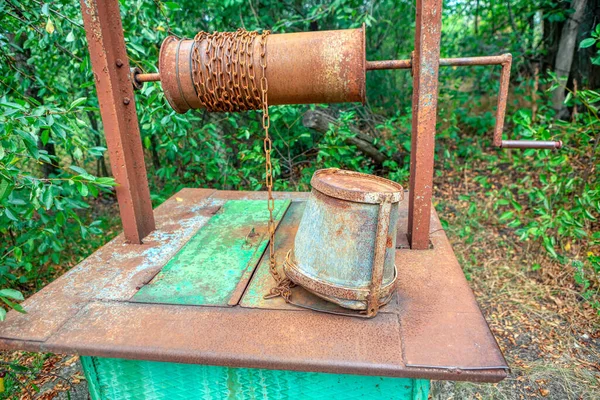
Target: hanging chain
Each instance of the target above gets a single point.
(226, 81)
(283, 284)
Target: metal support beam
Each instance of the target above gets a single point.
(426, 60)
(104, 32)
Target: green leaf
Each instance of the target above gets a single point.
(12, 294)
(47, 198)
(82, 188)
(10, 215)
(585, 43)
(70, 37)
(77, 102)
(77, 153)
(18, 253)
(5, 189)
(171, 5)
(2, 314)
(60, 218)
(568, 97)
(13, 305)
(79, 170)
(45, 136)
(506, 216)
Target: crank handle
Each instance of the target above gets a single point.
(506, 62)
(531, 144)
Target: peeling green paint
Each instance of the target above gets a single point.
(225, 251)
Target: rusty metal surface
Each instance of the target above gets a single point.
(425, 93)
(308, 67)
(385, 243)
(246, 338)
(502, 98)
(87, 312)
(440, 320)
(472, 61)
(174, 59)
(104, 33)
(388, 64)
(444, 62)
(152, 77)
(356, 186)
(338, 293)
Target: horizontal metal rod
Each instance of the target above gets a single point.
(389, 64)
(394, 64)
(531, 144)
(444, 62)
(148, 77)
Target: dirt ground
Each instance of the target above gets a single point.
(549, 335)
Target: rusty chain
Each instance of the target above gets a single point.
(227, 82)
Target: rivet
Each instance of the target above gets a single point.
(126, 100)
(119, 63)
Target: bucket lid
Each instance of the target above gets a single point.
(356, 186)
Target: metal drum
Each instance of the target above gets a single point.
(303, 68)
(345, 246)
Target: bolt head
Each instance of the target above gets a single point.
(126, 100)
(119, 62)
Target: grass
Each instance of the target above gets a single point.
(549, 335)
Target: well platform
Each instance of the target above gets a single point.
(193, 294)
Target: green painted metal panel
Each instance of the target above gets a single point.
(118, 379)
(214, 267)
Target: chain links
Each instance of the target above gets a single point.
(227, 82)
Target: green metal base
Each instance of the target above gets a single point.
(116, 379)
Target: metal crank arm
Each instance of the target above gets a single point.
(505, 60)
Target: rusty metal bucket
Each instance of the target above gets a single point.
(344, 249)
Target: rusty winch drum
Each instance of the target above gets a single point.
(345, 246)
(303, 68)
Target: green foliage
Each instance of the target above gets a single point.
(46, 143)
(593, 41)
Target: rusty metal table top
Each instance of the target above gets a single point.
(433, 329)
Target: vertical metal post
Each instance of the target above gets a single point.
(104, 32)
(426, 59)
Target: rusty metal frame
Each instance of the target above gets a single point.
(426, 61)
(383, 225)
(106, 43)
